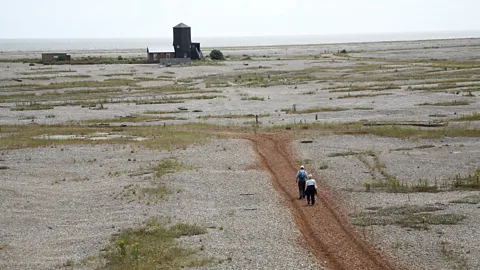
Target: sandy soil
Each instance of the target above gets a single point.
(47, 201)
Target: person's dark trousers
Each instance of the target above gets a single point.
(301, 188)
(310, 192)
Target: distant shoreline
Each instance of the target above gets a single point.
(116, 44)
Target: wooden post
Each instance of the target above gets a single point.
(256, 119)
(316, 117)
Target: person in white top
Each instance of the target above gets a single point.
(311, 189)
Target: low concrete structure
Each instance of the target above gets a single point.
(54, 57)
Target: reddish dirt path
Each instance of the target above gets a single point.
(325, 227)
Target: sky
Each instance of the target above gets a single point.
(219, 18)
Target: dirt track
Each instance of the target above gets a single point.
(325, 227)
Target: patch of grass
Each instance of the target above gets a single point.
(364, 95)
(390, 183)
(153, 246)
(473, 199)
(412, 216)
(118, 74)
(314, 110)
(234, 116)
(159, 138)
(4, 167)
(265, 79)
(185, 80)
(161, 112)
(136, 118)
(166, 77)
(17, 97)
(178, 137)
(355, 88)
(447, 103)
(203, 97)
(158, 101)
(74, 84)
(469, 117)
(77, 76)
(168, 89)
(32, 107)
(38, 78)
(467, 181)
(363, 108)
(28, 117)
(350, 153)
(259, 67)
(206, 62)
(411, 148)
(453, 256)
(253, 98)
(168, 166)
(42, 72)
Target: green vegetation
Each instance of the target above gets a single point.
(314, 110)
(207, 62)
(412, 216)
(38, 78)
(411, 148)
(234, 116)
(473, 199)
(454, 256)
(43, 72)
(216, 55)
(259, 67)
(364, 95)
(73, 84)
(77, 76)
(467, 181)
(135, 118)
(469, 117)
(157, 190)
(159, 138)
(152, 246)
(265, 79)
(161, 112)
(355, 88)
(351, 153)
(363, 108)
(32, 107)
(168, 166)
(253, 98)
(392, 131)
(118, 74)
(447, 103)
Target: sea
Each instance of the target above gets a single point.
(72, 44)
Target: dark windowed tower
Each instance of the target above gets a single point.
(182, 41)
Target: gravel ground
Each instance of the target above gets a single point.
(418, 249)
(63, 203)
(51, 213)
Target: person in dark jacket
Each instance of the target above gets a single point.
(311, 189)
(301, 179)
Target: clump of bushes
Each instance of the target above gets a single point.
(216, 55)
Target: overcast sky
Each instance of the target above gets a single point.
(211, 18)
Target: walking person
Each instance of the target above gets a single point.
(311, 189)
(301, 180)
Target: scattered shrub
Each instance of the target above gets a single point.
(216, 55)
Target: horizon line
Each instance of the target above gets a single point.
(259, 36)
